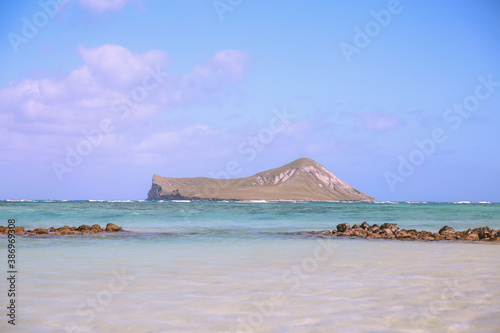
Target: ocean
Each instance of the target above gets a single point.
(244, 267)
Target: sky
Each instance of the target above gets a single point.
(400, 99)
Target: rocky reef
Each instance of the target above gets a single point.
(65, 230)
(391, 231)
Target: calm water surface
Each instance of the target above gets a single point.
(240, 266)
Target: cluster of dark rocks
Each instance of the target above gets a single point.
(391, 231)
(65, 230)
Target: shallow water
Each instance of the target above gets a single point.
(228, 267)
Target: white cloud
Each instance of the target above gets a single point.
(100, 6)
(38, 115)
(116, 67)
(376, 120)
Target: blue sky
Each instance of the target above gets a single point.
(400, 99)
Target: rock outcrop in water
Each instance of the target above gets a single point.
(391, 231)
(65, 230)
(303, 179)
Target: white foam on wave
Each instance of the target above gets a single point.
(462, 202)
(416, 202)
(181, 200)
(26, 200)
(95, 200)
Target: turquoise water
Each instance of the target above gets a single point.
(244, 219)
(241, 266)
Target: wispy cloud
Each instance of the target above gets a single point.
(376, 120)
(100, 6)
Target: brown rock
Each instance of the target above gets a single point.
(495, 235)
(110, 227)
(391, 226)
(437, 236)
(446, 231)
(391, 231)
(96, 228)
(17, 230)
(38, 231)
(406, 234)
(483, 232)
(365, 225)
(463, 234)
(65, 230)
(358, 232)
(425, 235)
(84, 228)
(343, 227)
(472, 237)
(388, 233)
(349, 232)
